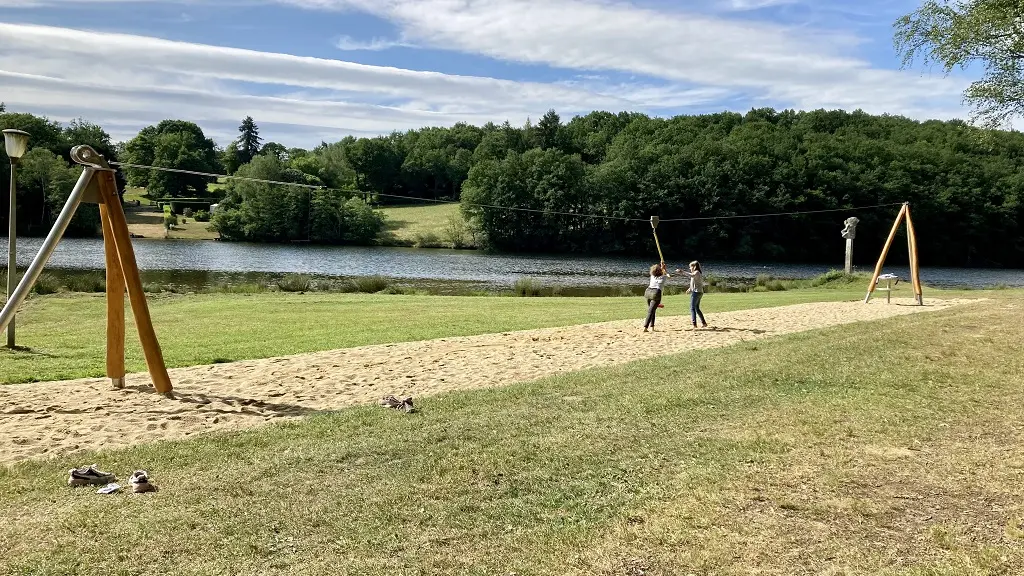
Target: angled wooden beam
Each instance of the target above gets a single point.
(885, 251)
(915, 268)
(115, 303)
(133, 281)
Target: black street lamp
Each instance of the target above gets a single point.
(16, 143)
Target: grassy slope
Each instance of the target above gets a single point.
(65, 333)
(407, 223)
(829, 452)
(148, 220)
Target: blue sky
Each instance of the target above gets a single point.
(312, 70)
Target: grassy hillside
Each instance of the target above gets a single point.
(426, 226)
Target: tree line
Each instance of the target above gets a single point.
(46, 174)
(965, 184)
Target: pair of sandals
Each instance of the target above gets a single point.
(403, 404)
(91, 475)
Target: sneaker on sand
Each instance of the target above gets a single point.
(87, 475)
(403, 404)
(140, 482)
(407, 405)
(390, 402)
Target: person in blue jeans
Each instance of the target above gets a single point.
(696, 291)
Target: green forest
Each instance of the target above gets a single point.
(965, 184)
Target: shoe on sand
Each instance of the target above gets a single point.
(407, 405)
(403, 404)
(140, 482)
(87, 475)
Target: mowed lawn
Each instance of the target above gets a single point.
(827, 452)
(65, 333)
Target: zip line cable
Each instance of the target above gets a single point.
(780, 213)
(533, 210)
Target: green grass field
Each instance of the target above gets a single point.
(826, 452)
(420, 225)
(64, 333)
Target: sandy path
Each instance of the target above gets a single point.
(57, 418)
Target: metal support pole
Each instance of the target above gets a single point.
(15, 300)
(12, 250)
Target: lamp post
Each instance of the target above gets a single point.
(16, 143)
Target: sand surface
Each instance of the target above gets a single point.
(47, 419)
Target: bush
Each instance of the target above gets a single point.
(368, 284)
(427, 240)
(170, 221)
(836, 277)
(362, 223)
(187, 213)
(90, 282)
(202, 216)
(45, 284)
(456, 232)
(295, 283)
(227, 288)
(527, 287)
(405, 291)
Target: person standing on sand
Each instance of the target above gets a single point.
(653, 293)
(696, 291)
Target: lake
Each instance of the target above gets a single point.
(499, 270)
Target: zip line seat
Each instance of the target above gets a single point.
(888, 278)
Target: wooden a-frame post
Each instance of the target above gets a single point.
(915, 275)
(122, 273)
(96, 185)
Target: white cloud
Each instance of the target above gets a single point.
(349, 43)
(742, 5)
(792, 65)
(677, 60)
(108, 77)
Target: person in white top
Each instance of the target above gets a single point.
(696, 292)
(653, 293)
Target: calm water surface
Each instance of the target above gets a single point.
(470, 266)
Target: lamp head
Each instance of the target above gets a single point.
(16, 143)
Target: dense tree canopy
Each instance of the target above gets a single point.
(956, 34)
(583, 180)
(261, 212)
(46, 175)
(964, 183)
(172, 144)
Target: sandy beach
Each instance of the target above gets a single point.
(48, 419)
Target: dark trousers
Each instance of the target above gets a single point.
(695, 308)
(653, 296)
